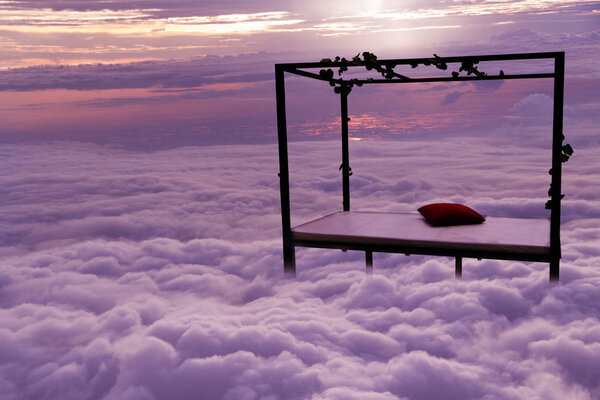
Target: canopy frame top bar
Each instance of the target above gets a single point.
(297, 68)
(421, 60)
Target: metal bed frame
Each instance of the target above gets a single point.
(291, 241)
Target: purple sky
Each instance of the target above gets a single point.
(166, 74)
(140, 238)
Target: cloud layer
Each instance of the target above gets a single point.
(185, 73)
(158, 275)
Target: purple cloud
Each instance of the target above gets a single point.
(159, 7)
(158, 275)
(452, 98)
(183, 73)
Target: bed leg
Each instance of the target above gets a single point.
(369, 260)
(289, 261)
(554, 268)
(458, 267)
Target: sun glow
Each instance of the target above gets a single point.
(469, 9)
(46, 35)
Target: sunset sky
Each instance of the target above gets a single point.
(140, 226)
(178, 73)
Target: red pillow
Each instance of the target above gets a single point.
(447, 214)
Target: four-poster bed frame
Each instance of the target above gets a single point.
(524, 239)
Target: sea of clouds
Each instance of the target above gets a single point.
(136, 275)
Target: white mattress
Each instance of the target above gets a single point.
(498, 234)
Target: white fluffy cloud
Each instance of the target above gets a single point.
(155, 276)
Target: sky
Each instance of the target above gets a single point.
(154, 74)
(140, 230)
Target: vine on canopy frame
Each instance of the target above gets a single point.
(386, 69)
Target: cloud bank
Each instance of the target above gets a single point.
(131, 275)
(183, 73)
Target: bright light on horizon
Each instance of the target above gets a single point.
(165, 33)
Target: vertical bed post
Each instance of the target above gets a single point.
(369, 260)
(289, 253)
(458, 267)
(344, 90)
(557, 140)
